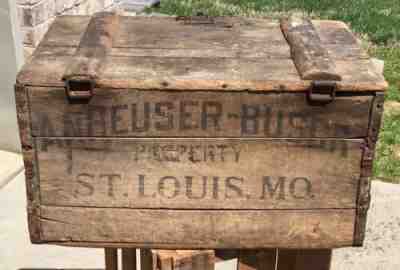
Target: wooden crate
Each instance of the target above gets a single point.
(198, 133)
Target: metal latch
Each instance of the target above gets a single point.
(79, 91)
(322, 92)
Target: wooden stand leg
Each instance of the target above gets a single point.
(264, 259)
(111, 258)
(304, 259)
(148, 259)
(128, 259)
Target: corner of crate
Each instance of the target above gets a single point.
(364, 190)
(34, 223)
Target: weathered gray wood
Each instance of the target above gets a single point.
(310, 57)
(128, 259)
(214, 74)
(264, 259)
(250, 38)
(199, 173)
(28, 151)
(319, 259)
(111, 258)
(94, 47)
(251, 55)
(127, 113)
(364, 190)
(191, 229)
(184, 259)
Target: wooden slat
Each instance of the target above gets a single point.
(251, 55)
(257, 259)
(129, 113)
(111, 258)
(128, 259)
(185, 259)
(197, 174)
(190, 229)
(216, 74)
(93, 48)
(304, 259)
(310, 57)
(148, 259)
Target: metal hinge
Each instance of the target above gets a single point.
(322, 92)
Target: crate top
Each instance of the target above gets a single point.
(223, 53)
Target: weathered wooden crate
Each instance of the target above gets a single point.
(198, 133)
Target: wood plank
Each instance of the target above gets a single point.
(250, 55)
(95, 45)
(190, 229)
(67, 31)
(310, 57)
(216, 74)
(185, 259)
(197, 174)
(257, 259)
(111, 258)
(130, 113)
(319, 259)
(128, 259)
(148, 259)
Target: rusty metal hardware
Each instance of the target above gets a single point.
(80, 91)
(322, 92)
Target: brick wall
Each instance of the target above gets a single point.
(35, 16)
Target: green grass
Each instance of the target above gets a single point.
(391, 56)
(379, 19)
(376, 21)
(387, 163)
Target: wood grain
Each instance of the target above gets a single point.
(184, 259)
(166, 54)
(94, 46)
(131, 113)
(197, 174)
(190, 229)
(310, 57)
(29, 157)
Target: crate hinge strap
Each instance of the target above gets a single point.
(311, 59)
(83, 69)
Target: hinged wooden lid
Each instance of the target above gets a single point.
(222, 53)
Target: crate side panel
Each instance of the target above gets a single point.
(134, 113)
(197, 229)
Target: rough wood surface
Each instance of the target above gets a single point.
(364, 190)
(94, 46)
(130, 113)
(310, 57)
(251, 55)
(111, 258)
(264, 259)
(183, 259)
(191, 229)
(319, 259)
(199, 173)
(29, 156)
